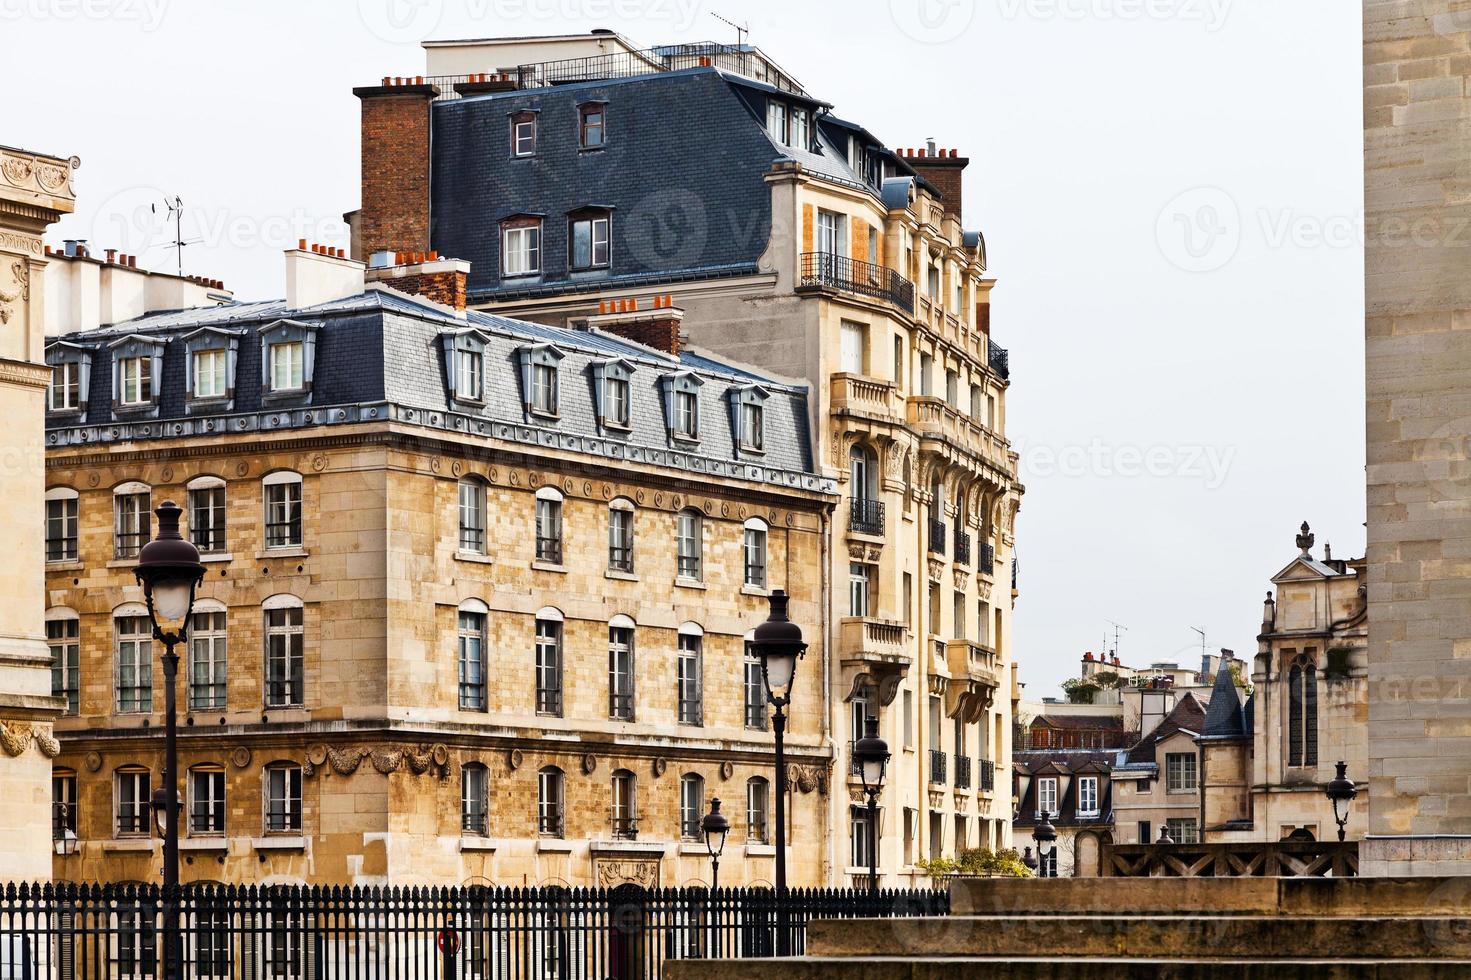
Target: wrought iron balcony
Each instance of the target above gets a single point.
(962, 546)
(962, 771)
(988, 776)
(937, 536)
(1000, 359)
(866, 515)
(937, 766)
(988, 558)
(625, 826)
(827, 270)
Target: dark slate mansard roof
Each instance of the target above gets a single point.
(379, 357)
(1226, 717)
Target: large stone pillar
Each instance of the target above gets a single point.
(1417, 148)
(35, 190)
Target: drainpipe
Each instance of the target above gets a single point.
(825, 526)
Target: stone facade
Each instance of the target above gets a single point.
(1417, 158)
(35, 190)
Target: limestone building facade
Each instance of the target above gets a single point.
(796, 241)
(477, 595)
(35, 190)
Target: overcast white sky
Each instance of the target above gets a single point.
(1171, 193)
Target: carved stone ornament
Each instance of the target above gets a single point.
(20, 272)
(240, 757)
(727, 769)
(628, 871)
(15, 737)
(936, 569)
(660, 766)
(93, 761)
(514, 758)
(589, 764)
(346, 761)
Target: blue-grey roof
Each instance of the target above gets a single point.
(379, 356)
(1224, 716)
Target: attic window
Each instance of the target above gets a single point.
(135, 381)
(588, 239)
(464, 365)
(748, 411)
(210, 358)
(776, 120)
(611, 389)
(521, 246)
(523, 134)
(592, 130)
(288, 355)
(71, 377)
(800, 136)
(539, 380)
(137, 370)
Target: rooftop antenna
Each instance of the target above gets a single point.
(1203, 654)
(1117, 628)
(742, 30)
(176, 210)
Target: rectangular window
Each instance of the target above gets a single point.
(471, 657)
(757, 792)
(135, 380)
(776, 120)
(207, 519)
(523, 135)
(1087, 796)
(131, 524)
(691, 806)
(908, 613)
(926, 369)
(830, 237)
(61, 529)
(854, 337)
(616, 411)
(1047, 795)
(689, 546)
(1146, 832)
(469, 375)
(549, 667)
(283, 514)
(544, 389)
(899, 362)
(686, 415)
(589, 243)
(799, 135)
(64, 796)
(284, 667)
(957, 603)
(908, 719)
(521, 250)
(206, 801)
(66, 386)
(858, 832)
(751, 433)
(755, 700)
(283, 799)
(620, 540)
(592, 128)
(134, 663)
(691, 683)
(1183, 830)
(474, 800)
(287, 361)
(755, 557)
(1180, 772)
(550, 820)
(549, 530)
(620, 673)
(860, 587)
(472, 517)
(952, 388)
(209, 374)
(64, 638)
(207, 663)
(134, 803)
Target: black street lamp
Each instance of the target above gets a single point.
(778, 644)
(1342, 792)
(715, 827)
(872, 755)
(1046, 837)
(1029, 860)
(169, 571)
(63, 838)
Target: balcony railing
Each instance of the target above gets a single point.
(825, 269)
(1000, 359)
(854, 767)
(937, 537)
(962, 547)
(937, 766)
(866, 515)
(549, 549)
(624, 826)
(988, 776)
(1244, 859)
(962, 771)
(988, 558)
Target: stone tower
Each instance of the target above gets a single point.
(1417, 156)
(35, 190)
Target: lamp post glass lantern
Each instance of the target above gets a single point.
(1046, 837)
(63, 838)
(169, 570)
(872, 755)
(716, 828)
(778, 645)
(1341, 791)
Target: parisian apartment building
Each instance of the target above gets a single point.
(477, 596)
(575, 174)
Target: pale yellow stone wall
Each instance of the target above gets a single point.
(35, 190)
(1157, 804)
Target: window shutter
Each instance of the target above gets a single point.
(447, 343)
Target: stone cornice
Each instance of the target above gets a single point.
(24, 374)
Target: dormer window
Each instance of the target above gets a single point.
(588, 238)
(612, 388)
(682, 406)
(209, 373)
(748, 421)
(135, 381)
(210, 358)
(776, 120)
(800, 135)
(521, 246)
(286, 366)
(288, 352)
(71, 374)
(137, 368)
(592, 125)
(464, 365)
(539, 381)
(544, 389)
(523, 134)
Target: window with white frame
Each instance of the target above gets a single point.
(776, 120)
(1047, 795)
(691, 805)
(474, 800)
(551, 802)
(544, 389)
(1183, 830)
(690, 544)
(751, 435)
(132, 519)
(133, 655)
(755, 689)
(207, 656)
(523, 134)
(690, 678)
(469, 374)
(615, 410)
(64, 637)
(283, 798)
(831, 239)
(620, 535)
(135, 381)
(859, 835)
(624, 813)
(588, 240)
(470, 654)
(799, 134)
(549, 662)
(207, 800)
(853, 348)
(860, 588)
(65, 393)
(472, 516)
(1180, 772)
(288, 365)
(207, 514)
(133, 801)
(549, 525)
(211, 377)
(521, 248)
(1087, 796)
(592, 125)
(285, 665)
(283, 509)
(620, 669)
(687, 414)
(758, 804)
(753, 549)
(62, 509)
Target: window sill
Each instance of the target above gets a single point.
(474, 558)
(760, 850)
(617, 428)
(684, 443)
(482, 845)
(69, 565)
(542, 565)
(757, 590)
(620, 576)
(546, 416)
(288, 551)
(282, 843)
(129, 845)
(751, 450)
(206, 559)
(204, 844)
(592, 149)
(283, 394)
(123, 562)
(553, 845)
(690, 583)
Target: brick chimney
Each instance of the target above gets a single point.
(942, 168)
(439, 280)
(656, 325)
(394, 213)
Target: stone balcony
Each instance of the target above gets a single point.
(874, 653)
(975, 676)
(865, 397)
(933, 418)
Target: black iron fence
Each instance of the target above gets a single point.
(937, 536)
(828, 269)
(962, 546)
(117, 932)
(937, 766)
(988, 558)
(866, 515)
(999, 358)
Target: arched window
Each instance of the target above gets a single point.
(206, 800)
(207, 669)
(551, 802)
(755, 687)
(754, 553)
(64, 800)
(690, 539)
(549, 661)
(472, 516)
(207, 514)
(625, 805)
(132, 510)
(64, 636)
(620, 535)
(758, 794)
(283, 798)
(691, 805)
(1302, 712)
(690, 673)
(863, 470)
(549, 525)
(62, 509)
(132, 658)
(283, 509)
(285, 665)
(132, 801)
(470, 621)
(620, 668)
(474, 799)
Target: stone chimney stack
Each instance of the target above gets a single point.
(656, 325)
(319, 274)
(394, 213)
(437, 279)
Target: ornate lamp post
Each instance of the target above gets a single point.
(1029, 860)
(778, 644)
(872, 754)
(1342, 792)
(63, 838)
(169, 571)
(1046, 837)
(715, 827)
